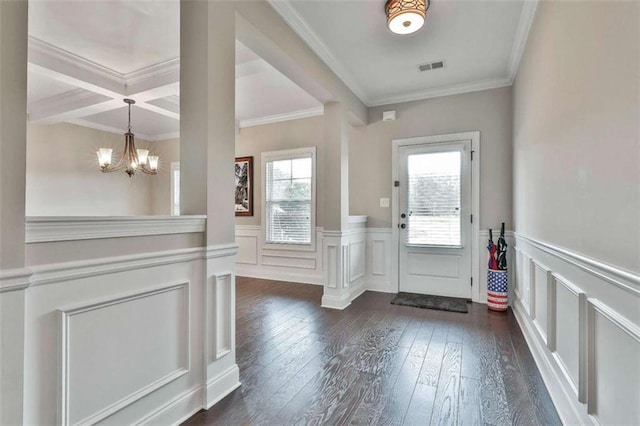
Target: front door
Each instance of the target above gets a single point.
(435, 219)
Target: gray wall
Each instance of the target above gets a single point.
(63, 177)
(301, 133)
(370, 150)
(576, 130)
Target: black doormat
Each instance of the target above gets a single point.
(425, 301)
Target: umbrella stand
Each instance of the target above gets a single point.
(497, 285)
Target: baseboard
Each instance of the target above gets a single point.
(381, 287)
(569, 414)
(335, 302)
(177, 410)
(222, 385)
(360, 288)
(266, 274)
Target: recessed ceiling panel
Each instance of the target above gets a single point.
(122, 35)
(269, 92)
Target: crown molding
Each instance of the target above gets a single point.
(269, 119)
(300, 27)
(527, 14)
(454, 89)
(164, 137)
(153, 71)
(40, 47)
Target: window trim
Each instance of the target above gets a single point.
(288, 154)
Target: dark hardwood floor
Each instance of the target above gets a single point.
(376, 363)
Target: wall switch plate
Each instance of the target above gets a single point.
(384, 202)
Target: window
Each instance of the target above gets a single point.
(175, 189)
(434, 199)
(289, 197)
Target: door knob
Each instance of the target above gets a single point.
(403, 215)
(403, 225)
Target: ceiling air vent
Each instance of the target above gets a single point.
(431, 66)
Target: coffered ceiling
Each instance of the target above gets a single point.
(480, 42)
(85, 57)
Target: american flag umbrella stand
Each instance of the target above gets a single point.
(497, 295)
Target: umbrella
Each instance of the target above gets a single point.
(502, 250)
(493, 263)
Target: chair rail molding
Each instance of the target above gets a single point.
(41, 229)
(15, 279)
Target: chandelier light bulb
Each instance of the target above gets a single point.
(142, 155)
(153, 162)
(104, 156)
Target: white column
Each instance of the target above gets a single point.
(337, 294)
(207, 151)
(14, 278)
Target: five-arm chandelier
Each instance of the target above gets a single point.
(132, 159)
(406, 16)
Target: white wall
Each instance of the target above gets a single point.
(63, 177)
(576, 206)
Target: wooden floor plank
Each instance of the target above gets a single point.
(375, 363)
(445, 407)
(470, 411)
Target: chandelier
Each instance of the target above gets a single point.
(132, 159)
(406, 16)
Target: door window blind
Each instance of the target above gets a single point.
(434, 199)
(288, 200)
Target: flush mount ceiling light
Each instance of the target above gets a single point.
(132, 159)
(406, 16)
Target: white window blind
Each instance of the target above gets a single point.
(434, 199)
(288, 199)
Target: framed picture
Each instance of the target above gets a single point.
(244, 186)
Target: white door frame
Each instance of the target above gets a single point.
(475, 203)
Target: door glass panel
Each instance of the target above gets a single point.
(433, 199)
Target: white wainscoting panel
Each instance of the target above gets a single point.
(356, 257)
(379, 255)
(541, 282)
(247, 248)
(223, 303)
(357, 268)
(331, 257)
(116, 335)
(122, 339)
(568, 341)
(289, 261)
(581, 319)
(256, 260)
(614, 366)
